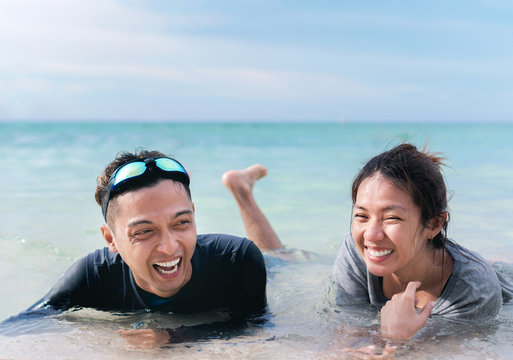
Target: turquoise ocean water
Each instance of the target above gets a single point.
(49, 219)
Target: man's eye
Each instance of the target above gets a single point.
(183, 223)
(142, 232)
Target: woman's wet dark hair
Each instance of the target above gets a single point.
(419, 174)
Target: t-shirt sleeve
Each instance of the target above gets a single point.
(505, 276)
(253, 298)
(350, 275)
(473, 291)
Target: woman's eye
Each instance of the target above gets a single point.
(393, 218)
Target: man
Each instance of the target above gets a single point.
(154, 259)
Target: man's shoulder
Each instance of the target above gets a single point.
(104, 256)
(221, 244)
(101, 258)
(228, 274)
(96, 265)
(212, 250)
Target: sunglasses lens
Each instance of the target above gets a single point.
(169, 165)
(129, 171)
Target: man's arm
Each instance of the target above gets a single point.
(151, 338)
(254, 279)
(69, 291)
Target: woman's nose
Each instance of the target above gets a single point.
(374, 231)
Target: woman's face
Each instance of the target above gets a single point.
(387, 228)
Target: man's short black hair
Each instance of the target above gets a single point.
(121, 159)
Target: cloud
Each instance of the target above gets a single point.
(104, 14)
(110, 58)
(94, 41)
(280, 85)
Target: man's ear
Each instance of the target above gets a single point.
(109, 237)
(193, 208)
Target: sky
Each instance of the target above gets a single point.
(342, 61)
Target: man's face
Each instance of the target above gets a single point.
(155, 233)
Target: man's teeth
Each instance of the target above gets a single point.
(169, 267)
(375, 253)
(169, 263)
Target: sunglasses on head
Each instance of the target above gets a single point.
(162, 167)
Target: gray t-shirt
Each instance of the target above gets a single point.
(472, 292)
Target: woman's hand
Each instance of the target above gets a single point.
(399, 317)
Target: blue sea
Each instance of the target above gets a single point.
(49, 219)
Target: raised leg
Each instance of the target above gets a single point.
(258, 229)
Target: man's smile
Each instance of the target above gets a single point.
(169, 267)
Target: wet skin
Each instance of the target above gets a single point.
(388, 232)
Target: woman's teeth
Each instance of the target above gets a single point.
(381, 253)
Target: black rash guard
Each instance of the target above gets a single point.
(228, 273)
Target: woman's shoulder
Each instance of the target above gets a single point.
(473, 290)
(467, 261)
(348, 253)
(349, 265)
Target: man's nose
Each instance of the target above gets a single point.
(168, 242)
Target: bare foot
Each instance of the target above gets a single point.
(258, 229)
(241, 182)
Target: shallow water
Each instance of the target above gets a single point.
(50, 219)
(302, 324)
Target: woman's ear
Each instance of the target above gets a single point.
(437, 223)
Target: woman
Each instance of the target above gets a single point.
(398, 248)
(397, 255)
